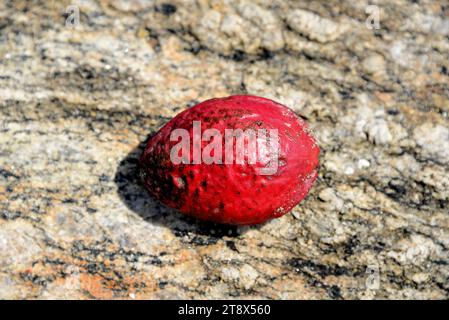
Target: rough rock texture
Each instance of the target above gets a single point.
(77, 103)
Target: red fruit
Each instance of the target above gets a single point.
(236, 193)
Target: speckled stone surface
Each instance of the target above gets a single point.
(77, 103)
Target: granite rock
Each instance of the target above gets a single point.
(79, 97)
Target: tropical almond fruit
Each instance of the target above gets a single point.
(237, 160)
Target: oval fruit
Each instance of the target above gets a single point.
(236, 160)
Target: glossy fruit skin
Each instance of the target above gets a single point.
(233, 193)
